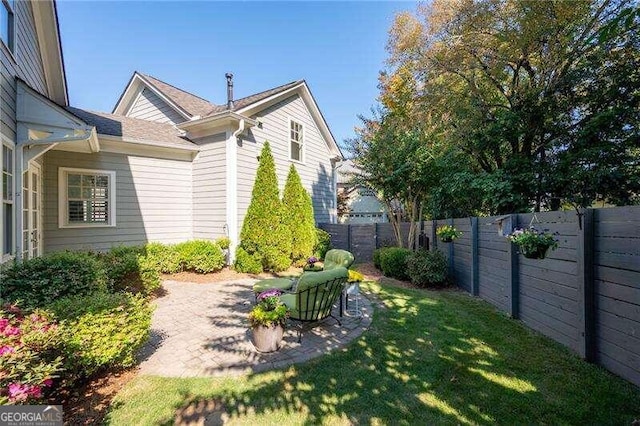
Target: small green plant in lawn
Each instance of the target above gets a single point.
(323, 243)
(29, 359)
(533, 244)
(264, 234)
(269, 311)
(39, 281)
(393, 262)
(448, 233)
(427, 268)
(299, 218)
(200, 256)
(100, 331)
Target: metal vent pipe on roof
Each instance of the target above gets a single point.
(229, 77)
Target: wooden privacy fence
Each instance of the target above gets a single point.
(585, 294)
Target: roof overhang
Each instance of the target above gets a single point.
(221, 120)
(135, 86)
(45, 17)
(42, 125)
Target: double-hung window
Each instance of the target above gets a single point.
(7, 23)
(7, 214)
(86, 198)
(296, 141)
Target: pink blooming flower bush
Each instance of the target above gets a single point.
(28, 360)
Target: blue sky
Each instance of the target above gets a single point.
(338, 47)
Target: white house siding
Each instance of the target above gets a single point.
(209, 188)
(27, 65)
(315, 172)
(148, 106)
(153, 201)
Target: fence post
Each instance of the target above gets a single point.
(513, 284)
(349, 238)
(451, 268)
(586, 290)
(434, 239)
(475, 277)
(376, 236)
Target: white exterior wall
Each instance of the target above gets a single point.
(209, 188)
(316, 170)
(148, 106)
(153, 201)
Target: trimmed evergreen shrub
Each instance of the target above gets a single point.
(163, 257)
(393, 261)
(101, 330)
(298, 217)
(200, 256)
(427, 268)
(128, 269)
(264, 235)
(223, 242)
(247, 263)
(323, 243)
(39, 281)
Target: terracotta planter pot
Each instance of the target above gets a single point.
(539, 253)
(267, 339)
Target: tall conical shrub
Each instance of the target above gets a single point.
(264, 236)
(298, 216)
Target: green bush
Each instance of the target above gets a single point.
(264, 235)
(128, 269)
(163, 257)
(247, 263)
(223, 242)
(299, 218)
(323, 243)
(37, 282)
(393, 261)
(101, 331)
(29, 361)
(200, 256)
(427, 268)
(377, 254)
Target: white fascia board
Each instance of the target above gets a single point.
(150, 144)
(132, 91)
(204, 126)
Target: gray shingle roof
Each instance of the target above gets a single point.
(132, 128)
(195, 105)
(192, 104)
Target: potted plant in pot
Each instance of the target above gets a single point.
(447, 233)
(533, 244)
(267, 321)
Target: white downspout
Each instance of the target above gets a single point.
(240, 129)
(18, 203)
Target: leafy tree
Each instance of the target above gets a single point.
(540, 98)
(298, 217)
(264, 236)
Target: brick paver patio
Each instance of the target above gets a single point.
(201, 330)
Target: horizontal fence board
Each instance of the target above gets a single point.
(619, 276)
(618, 214)
(546, 274)
(570, 293)
(545, 265)
(620, 369)
(620, 354)
(621, 324)
(618, 338)
(559, 302)
(619, 261)
(617, 229)
(619, 307)
(628, 246)
(619, 292)
(538, 322)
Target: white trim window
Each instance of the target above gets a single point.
(296, 141)
(7, 233)
(86, 198)
(7, 23)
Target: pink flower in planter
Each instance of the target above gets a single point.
(34, 391)
(3, 324)
(47, 383)
(6, 350)
(11, 331)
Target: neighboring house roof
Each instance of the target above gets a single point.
(190, 103)
(131, 128)
(346, 170)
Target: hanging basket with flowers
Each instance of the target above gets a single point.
(447, 233)
(533, 244)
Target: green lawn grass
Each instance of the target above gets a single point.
(429, 358)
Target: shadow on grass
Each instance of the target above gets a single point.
(429, 358)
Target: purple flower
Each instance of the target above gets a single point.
(274, 292)
(312, 260)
